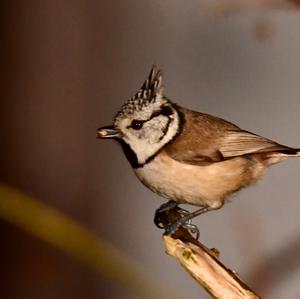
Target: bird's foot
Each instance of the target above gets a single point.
(185, 221)
(182, 222)
(193, 229)
(170, 217)
(160, 212)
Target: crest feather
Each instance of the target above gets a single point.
(150, 91)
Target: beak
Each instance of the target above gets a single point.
(108, 132)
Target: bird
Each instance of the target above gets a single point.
(185, 156)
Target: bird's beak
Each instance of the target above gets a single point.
(108, 132)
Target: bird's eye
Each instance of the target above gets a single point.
(137, 124)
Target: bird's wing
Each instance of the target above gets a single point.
(239, 143)
(205, 139)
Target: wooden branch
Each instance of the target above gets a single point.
(204, 266)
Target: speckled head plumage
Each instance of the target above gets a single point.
(150, 93)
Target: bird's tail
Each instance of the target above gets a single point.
(294, 153)
(283, 154)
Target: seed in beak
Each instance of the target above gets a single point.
(102, 133)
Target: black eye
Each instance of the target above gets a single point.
(137, 124)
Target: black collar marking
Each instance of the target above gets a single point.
(130, 154)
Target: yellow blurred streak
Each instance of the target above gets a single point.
(64, 233)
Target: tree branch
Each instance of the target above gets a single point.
(204, 266)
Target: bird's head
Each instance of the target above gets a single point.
(147, 121)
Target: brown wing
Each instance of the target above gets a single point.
(205, 139)
(243, 143)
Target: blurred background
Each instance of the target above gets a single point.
(68, 66)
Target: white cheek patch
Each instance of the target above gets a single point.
(155, 133)
(154, 129)
(145, 148)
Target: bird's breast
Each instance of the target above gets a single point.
(203, 185)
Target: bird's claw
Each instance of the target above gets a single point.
(160, 212)
(192, 228)
(160, 219)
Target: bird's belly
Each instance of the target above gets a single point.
(205, 185)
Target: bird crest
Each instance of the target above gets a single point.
(149, 93)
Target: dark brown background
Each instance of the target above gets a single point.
(67, 66)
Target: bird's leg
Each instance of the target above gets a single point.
(192, 228)
(170, 205)
(185, 221)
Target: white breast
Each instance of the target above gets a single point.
(206, 185)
